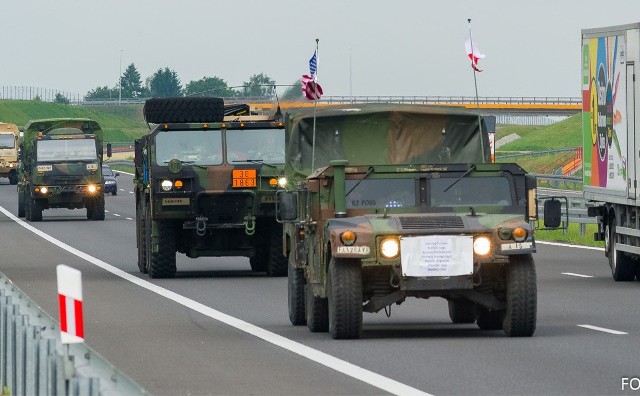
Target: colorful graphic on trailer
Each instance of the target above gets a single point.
(604, 112)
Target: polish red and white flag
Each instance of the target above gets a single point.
(70, 304)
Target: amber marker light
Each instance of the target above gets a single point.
(166, 126)
(242, 125)
(178, 184)
(348, 238)
(273, 182)
(519, 234)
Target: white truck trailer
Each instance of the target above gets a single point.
(611, 142)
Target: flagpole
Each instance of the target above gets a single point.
(315, 106)
(475, 83)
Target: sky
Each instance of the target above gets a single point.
(365, 47)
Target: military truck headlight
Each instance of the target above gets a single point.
(44, 190)
(166, 185)
(92, 188)
(389, 248)
(481, 246)
(282, 182)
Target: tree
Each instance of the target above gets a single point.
(101, 93)
(294, 92)
(131, 84)
(164, 83)
(259, 85)
(209, 86)
(60, 98)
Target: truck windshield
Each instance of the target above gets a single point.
(51, 150)
(7, 141)
(471, 191)
(199, 147)
(255, 144)
(381, 193)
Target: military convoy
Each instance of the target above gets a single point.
(9, 141)
(61, 167)
(385, 202)
(205, 181)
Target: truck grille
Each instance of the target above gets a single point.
(227, 208)
(430, 222)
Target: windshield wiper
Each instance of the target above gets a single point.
(369, 171)
(471, 169)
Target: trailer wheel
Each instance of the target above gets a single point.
(461, 311)
(522, 297)
(345, 298)
(317, 311)
(295, 294)
(622, 266)
(183, 110)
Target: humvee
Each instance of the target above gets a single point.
(9, 142)
(385, 202)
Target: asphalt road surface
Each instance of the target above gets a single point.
(218, 328)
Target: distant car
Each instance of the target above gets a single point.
(110, 182)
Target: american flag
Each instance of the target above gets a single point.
(313, 65)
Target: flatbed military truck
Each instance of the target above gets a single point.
(61, 167)
(9, 142)
(386, 202)
(205, 182)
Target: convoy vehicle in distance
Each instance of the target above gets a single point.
(385, 202)
(9, 142)
(110, 181)
(205, 185)
(611, 161)
(61, 167)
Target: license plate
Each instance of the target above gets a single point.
(244, 178)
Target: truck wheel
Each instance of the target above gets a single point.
(490, 320)
(317, 311)
(345, 298)
(295, 295)
(277, 265)
(97, 208)
(13, 177)
(261, 242)
(183, 109)
(461, 311)
(622, 266)
(140, 239)
(162, 264)
(21, 200)
(520, 316)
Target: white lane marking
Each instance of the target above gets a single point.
(117, 215)
(602, 329)
(578, 275)
(106, 211)
(129, 218)
(130, 192)
(344, 367)
(569, 245)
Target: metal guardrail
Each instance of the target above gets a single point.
(33, 360)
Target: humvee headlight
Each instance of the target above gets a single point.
(481, 246)
(282, 182)
(389, 248)
(348, 238)
(166, 185)
(519, 234)
(91, 188)
(44, 190)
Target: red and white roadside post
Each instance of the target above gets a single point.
(70, 303)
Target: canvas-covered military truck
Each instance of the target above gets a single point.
(385, 202)
(61, 167)
(9, 142)
(205, 182)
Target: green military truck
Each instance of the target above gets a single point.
(205, 180)
(385, 202)
(9, 141)
(61, 167)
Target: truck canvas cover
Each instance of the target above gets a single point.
(383, 134)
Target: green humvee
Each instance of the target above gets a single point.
(205, 182)
(61, 167)
(386, 202)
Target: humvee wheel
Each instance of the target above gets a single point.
(34, 211)
(461, 311)
(295, 295)
(13, 178)
(520, 316)
(316, 310)
(345, 298)
(140, 237)
(277, 264)
(97, 208)
(622, 266)
(21, 200)
(162, 264)
(490, 320)
(183, 109)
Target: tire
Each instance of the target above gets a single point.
(277, 264)
(36, 211)
(162, 264)
(13, 178)
(520, 315)
(183, 110)
(623, 268)
(316, 310)
(114, 192)
(90, 209)
(97, 208)
(345, 298)
(295, 295)
(261, 242)
(461, 311)
(490, 320)
(140, 239)
(21, 205)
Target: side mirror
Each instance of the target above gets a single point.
(109, 150)
(552, 213)
(116, 174)
(286, 206)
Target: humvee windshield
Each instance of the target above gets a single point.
(7, 141)
(190, 146)
(50, 150)
(256, 144)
